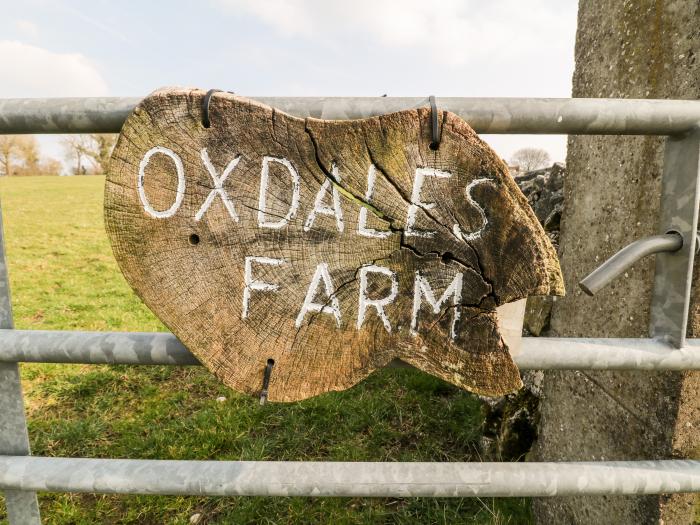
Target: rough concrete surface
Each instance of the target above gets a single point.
(631, 49)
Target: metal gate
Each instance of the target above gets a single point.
(22, 475)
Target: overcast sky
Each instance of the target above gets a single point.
(295, 47)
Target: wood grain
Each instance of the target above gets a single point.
(191, 272)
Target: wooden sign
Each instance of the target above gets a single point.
(330, 247)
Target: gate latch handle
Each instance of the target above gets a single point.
(630, 254)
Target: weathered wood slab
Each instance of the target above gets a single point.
(331, 247)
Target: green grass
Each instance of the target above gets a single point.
(63, 276)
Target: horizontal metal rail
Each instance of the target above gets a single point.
(160, 348)
(354, 479)
(587, 116)
(115, 348)
(552, 353)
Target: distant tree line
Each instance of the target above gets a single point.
(84, 155)
(19, 155)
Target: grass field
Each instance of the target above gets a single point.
(63, 276)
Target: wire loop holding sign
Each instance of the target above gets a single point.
(435, 128)
(266, 380)
(205, 106)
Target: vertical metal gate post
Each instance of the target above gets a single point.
(680, 198)
(22, 506)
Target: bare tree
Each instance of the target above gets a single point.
(89, 154)
(529, 159)
(8, 153)
(29, 154)
(102, 146)
(18, 151)
(77, 148)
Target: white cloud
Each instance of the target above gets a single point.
(453, 32)
(27, 28)
(31, 71)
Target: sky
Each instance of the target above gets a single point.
(468, 48)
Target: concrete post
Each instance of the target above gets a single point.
(630, 49)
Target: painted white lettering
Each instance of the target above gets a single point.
(362, 228)
(309, 304)
(416, 203)
(484, 220)
(262, 200)
(252, 284)
(218, 186)
(422, 289)
(323, 209)
(180, 192)
(379, 304)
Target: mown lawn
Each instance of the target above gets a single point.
(63, 276)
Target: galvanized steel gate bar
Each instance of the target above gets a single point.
(342, 478)
(160, 348)
(573, 116)
(22, 506)
(21, 474)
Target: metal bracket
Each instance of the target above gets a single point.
(680, 199)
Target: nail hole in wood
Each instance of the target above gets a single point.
(447, 257)
(194, 239)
